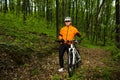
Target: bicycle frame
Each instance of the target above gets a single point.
(72, 48)
(73, 58)
(74, 51)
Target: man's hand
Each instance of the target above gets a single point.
(62, 40)
(78, 34)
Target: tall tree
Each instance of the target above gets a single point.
(57, 17)
(76, 12)
(24, 9)
(5, 7)
(63, 10)
(87, 22)
(73, 10)
(96, 35)
(1, 6)
(11, 5)
(117, 28)
(48, 14)
(18, 7)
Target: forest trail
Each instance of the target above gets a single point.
(91, 59)
(94, 60)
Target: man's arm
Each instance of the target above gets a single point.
(60, 36)
(78, 34)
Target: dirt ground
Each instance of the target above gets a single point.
(91, 58)
(93, 61)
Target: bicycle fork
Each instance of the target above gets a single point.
(73, 56)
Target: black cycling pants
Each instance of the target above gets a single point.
(62, 49)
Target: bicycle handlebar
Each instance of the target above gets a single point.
(68, 41)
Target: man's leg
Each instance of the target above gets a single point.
(61, 54)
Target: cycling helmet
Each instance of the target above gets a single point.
(67, 19)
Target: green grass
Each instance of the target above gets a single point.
(12, 22)
(56, 77)
(13, 28)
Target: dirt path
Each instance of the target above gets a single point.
(93, 62)
(91, 59)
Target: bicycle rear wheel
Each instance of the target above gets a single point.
(71, 66)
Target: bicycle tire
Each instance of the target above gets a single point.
(71, 67)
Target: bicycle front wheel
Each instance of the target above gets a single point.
(78, 59)
(71, 66)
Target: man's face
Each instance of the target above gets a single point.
(67, 23)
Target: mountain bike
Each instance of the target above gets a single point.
(74, 58)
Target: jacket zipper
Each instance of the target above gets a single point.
(67, 32)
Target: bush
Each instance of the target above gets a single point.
(115, 52)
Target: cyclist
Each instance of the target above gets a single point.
(66, 34)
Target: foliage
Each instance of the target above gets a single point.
(56, 77)
(116, 54)
(22, 34)
(29, 36)
(17, 55)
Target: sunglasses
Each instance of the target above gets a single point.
(67, 21)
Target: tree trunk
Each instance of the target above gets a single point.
(69, 7)
(18, 7)
(63, 11)
(76, 13)
(11, 5)
(87, 20)
(5, 7)
(24, 8)
(73, 10)
(57, 19)
(1, 6)
(48, 13)
(117, 28)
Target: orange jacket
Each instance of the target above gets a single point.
(68, 33)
